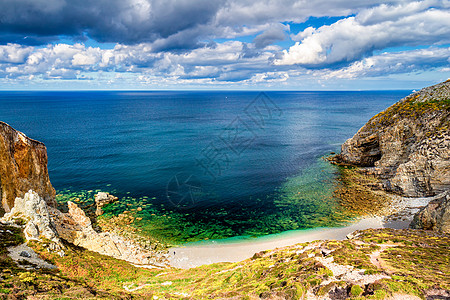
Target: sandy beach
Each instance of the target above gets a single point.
(222, 251)
(232, 250)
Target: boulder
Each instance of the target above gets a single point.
(435, 216)
(23, 166)
(46, 223)
(101, 199)
(76, 228)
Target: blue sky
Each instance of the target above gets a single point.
(223, 44)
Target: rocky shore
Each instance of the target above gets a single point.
(407, 145)
(405, 150)
(394, 165)
(24, 165)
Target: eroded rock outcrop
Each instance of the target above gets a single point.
(23, 166)
(44, 222)
(76, 228)
(102, 199)
(435, 216)
(35, 212)
(27, 194)
(407, 146)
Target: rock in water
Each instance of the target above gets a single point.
(435, 216)
(43, 221)
(101, 199)
(407, 146)
(23, 166)
(76, 228)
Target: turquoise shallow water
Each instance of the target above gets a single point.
(219, 164)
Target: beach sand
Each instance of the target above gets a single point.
(234, 250)
(197, 254)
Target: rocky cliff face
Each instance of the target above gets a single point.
(23, 166)
(435, 216)
(407, 146)
(28, 195)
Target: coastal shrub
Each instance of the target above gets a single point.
(356, 290)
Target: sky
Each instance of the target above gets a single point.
(223, 44)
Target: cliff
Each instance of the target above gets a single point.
(406, 146)
(23, 166)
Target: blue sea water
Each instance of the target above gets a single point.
(227, 149)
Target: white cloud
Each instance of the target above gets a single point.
(249, 12)
(303, 34)
(352, 38)
(89, 57)
(13, 53)
(195, 53)
(73, 61)
(393, 63)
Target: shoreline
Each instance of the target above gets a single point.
(191, 256)
(235, 249)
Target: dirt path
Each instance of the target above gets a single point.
(377, 261)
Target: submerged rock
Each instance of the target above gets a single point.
(23, 166)
(407, 146)
(435, 216)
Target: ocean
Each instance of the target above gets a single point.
(195, 165)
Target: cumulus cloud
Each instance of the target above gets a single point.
(219, 61)
(353, 38)
(203, 41)
(393, 63)
(303, 34)
(274, 34)
(170, 23)
(249, 12)
(13, 53)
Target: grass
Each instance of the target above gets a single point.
(413, 108)
(18, 283)
(420, 261)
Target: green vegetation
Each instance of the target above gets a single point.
(18, 283)
(356, 291)
(413, 107)
(416, 261)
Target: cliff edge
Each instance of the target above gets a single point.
(23, 166)
(28, 199)
(407, 146)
